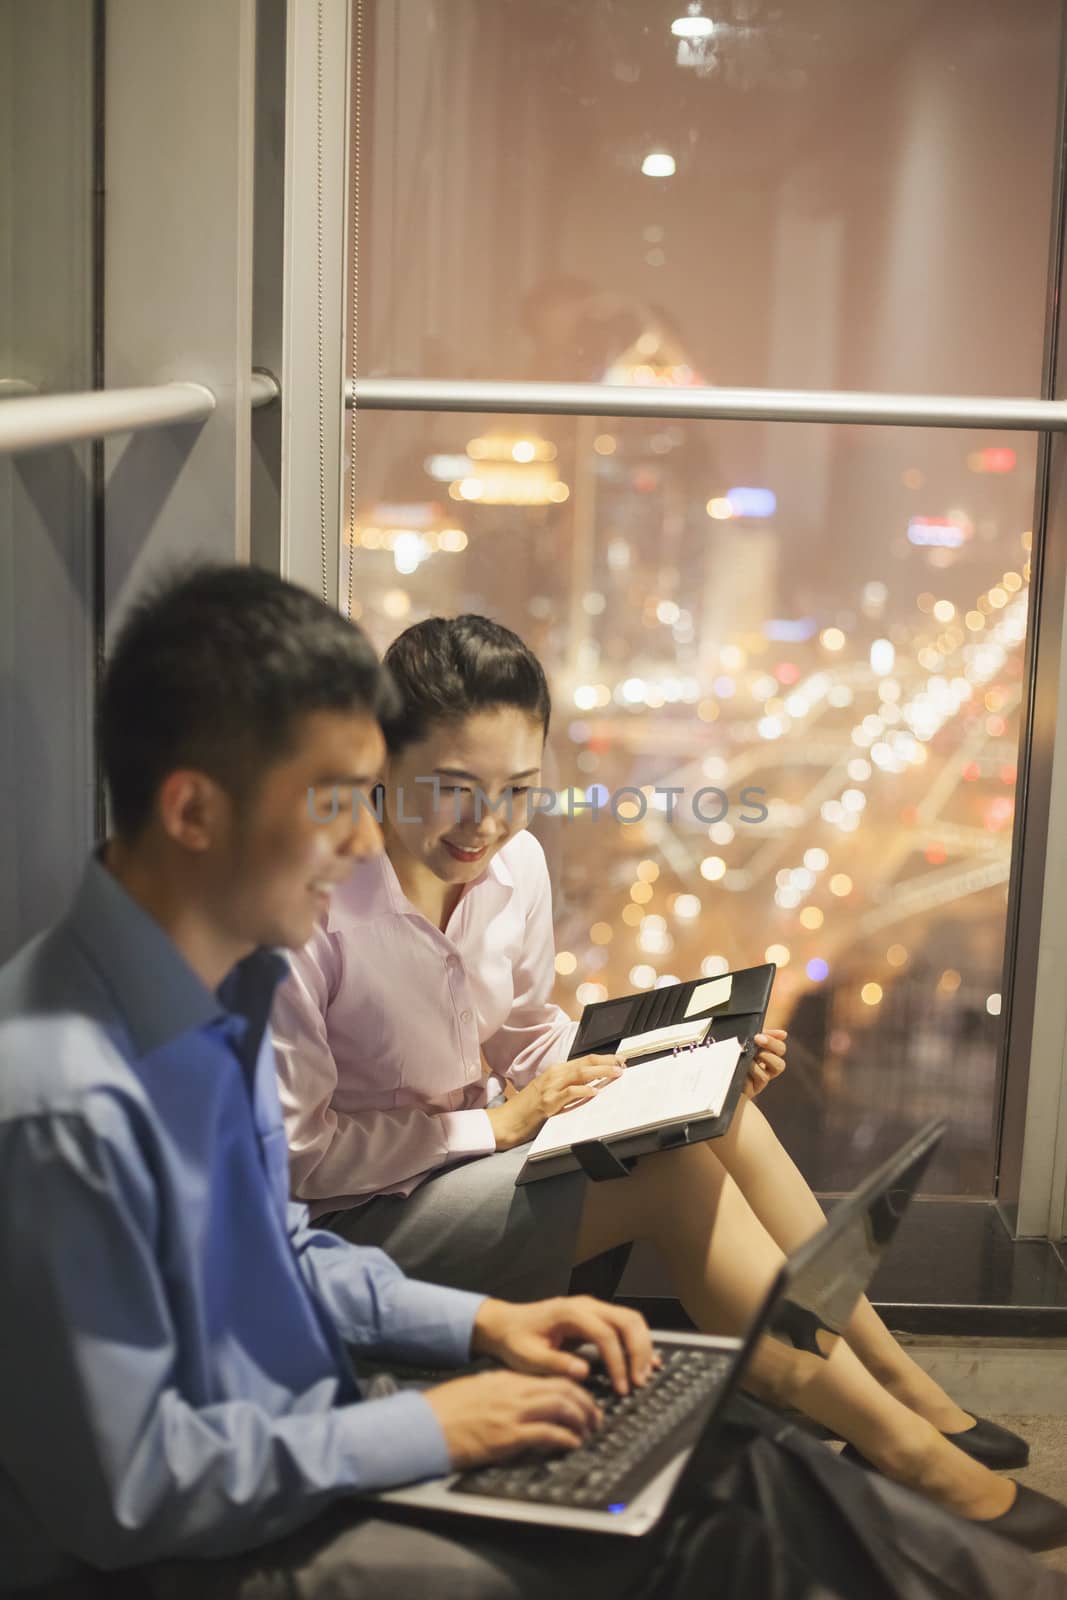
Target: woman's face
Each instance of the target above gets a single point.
(454, 798)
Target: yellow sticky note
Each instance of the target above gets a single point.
(713, 993)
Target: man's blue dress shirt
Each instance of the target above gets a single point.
(173, 1380)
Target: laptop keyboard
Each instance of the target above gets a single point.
(638, 1437)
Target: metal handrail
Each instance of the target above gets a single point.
(758, 405)
(31, 421)
(41, 420)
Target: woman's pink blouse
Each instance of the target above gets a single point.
(380, 1028)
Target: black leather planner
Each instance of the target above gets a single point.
(738, 1008)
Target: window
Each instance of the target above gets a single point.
(814, 632)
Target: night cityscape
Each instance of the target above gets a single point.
(832, 615)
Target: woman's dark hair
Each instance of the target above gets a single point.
(446, 668)
(215, 669)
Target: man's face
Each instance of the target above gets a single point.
(301, 832)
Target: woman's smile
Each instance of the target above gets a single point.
(465, 853)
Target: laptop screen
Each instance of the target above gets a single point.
(826, 1277)
(816, 1290)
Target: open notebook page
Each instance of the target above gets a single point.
(647, 1095)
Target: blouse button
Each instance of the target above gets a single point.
(466, 1016)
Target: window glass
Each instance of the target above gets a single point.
(813, 634)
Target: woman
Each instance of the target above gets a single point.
(426, 988)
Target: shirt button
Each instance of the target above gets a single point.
(466, 1016)
(453, 962)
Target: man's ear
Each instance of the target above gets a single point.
(195, 810)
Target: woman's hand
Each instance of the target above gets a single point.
(568, 1083)
(769, 1063)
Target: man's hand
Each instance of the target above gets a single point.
(494, 1415)
(769, 1063)
(567, 1083)
(530, 1338)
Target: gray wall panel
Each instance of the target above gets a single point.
(46, 801)
(178, 278)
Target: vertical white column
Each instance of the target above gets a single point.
(313, 309)
(1042, 1182)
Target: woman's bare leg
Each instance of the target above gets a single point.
(722, 1261)
(778, 1194)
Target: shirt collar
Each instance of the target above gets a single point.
(157, 993)
(498, 868)
(372, 889)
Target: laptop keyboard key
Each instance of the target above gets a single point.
(626, 1451)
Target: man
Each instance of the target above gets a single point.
(176, 1400)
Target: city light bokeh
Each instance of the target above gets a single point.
(827, 623)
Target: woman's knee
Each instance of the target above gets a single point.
(680, 1187)
(693, 1168)
(749, 1137)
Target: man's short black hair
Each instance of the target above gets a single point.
(214, 670)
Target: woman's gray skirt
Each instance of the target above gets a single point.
(469, 1227)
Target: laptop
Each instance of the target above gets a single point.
(657, 1444)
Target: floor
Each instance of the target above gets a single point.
(1023, 1386)
(1048, 1463)
(1047, 1471)
(1021, 1383)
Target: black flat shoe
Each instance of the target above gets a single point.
(1035, 1521)
(992, 1445)
(995, 1447)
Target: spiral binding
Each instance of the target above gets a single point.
(698, 1044)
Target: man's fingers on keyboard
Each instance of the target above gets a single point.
(562, 1413)
(638, 1341)
(561, 1398)
(566, 1363)
(545, 1437)
(612, 1353)
(587, 1319)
